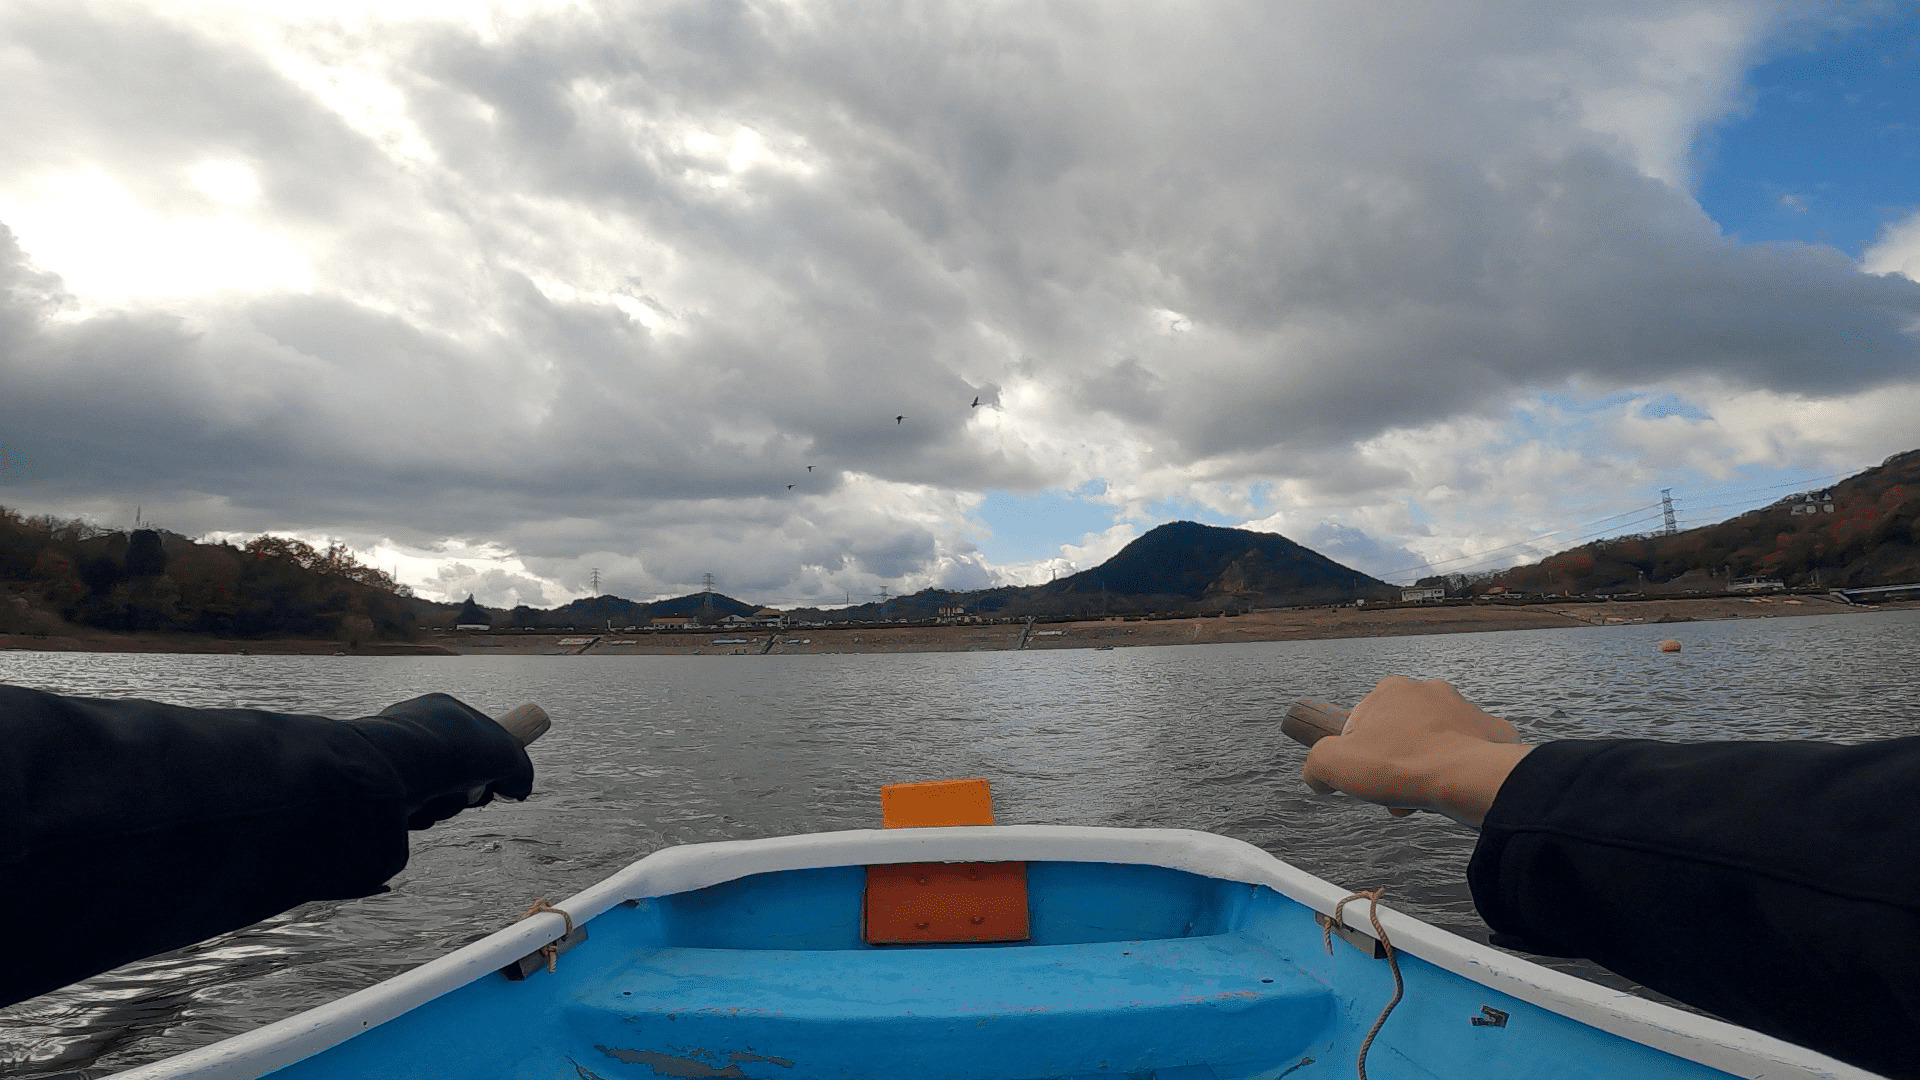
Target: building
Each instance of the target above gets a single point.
(951, 614)
(1422, 592)
(1811, 503)
(478, 626)
(670, 622)
(1757, 585)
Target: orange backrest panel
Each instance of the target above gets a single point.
(921, 903)
(937, 802)
(925, 903)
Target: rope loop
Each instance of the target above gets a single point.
(551, 950)
(1372, 897)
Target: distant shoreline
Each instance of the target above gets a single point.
(1290, 624)
(1284, 624)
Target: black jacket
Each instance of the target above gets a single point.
(128, 828)
(1774, 884)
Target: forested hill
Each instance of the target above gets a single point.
(54, 573)
(599, 612)
(1198, 563)
(1182, 566)
(1868, 537)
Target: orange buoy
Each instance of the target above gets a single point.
(1669, 645)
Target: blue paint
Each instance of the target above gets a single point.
(1134, 972)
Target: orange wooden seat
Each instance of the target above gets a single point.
(928, 903)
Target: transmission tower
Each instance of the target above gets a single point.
(706, 594)
(596, 581)
(883, 603)
(1670, 526)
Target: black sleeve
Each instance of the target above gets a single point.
(128, 828)
(1774, 884)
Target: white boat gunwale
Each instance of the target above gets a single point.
(1714, 1043)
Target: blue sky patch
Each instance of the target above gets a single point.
(1029, 527)
(1830, 151)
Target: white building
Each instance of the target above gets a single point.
(1423, 592)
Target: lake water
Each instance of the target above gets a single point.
(652, 751)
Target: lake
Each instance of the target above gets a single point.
(653, 751)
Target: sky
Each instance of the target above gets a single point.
(825, 297)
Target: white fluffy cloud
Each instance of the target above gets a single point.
(595, 283)
(1898, 251)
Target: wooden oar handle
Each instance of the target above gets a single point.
(1309, 720)
(525, 722)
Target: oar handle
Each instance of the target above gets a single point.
(525, 722)
(1309, 720)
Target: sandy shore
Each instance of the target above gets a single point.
(1277, 625)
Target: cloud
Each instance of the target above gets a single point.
(597, 282)
(1898, 250)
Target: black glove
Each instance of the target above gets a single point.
(449, 756)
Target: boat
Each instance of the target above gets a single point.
(1145, 954)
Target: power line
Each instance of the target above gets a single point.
(1572, 541)
(1669, 520)
(1479, 556)
(1730, 488)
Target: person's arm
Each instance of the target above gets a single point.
(128, 827)
(1775, 884)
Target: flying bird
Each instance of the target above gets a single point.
(975, 405)
(809, 468)
(899, 418)
(789, 487)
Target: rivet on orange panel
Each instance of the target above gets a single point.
(937, 802)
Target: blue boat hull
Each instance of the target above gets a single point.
(1153, 954)
(1132, 971)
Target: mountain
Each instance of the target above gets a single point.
(1205, 564)
(602, 611)
(1864, 530)
(1182, 566)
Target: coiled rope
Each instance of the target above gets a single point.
(551, 950)
(1372, 897)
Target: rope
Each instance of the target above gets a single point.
(551, 950)
(1372, 897)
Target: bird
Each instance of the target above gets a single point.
(809, 468)
(899, 418)
(789, 487)
(975, 405)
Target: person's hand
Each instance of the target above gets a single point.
(450, 756)
(1413, 746)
